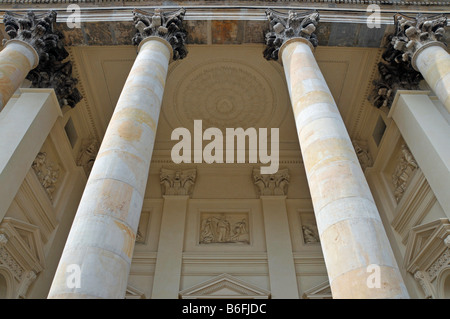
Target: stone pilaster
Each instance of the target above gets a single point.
(177, 186)
(273, 190)
(350, 229)
(102, 238)
(35, 36)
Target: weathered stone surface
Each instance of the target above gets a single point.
(284, 27)
(40, 32)
(166, 25)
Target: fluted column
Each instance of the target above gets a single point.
(351, 232)
(420, 41)
(102, 237)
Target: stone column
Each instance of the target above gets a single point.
(351, 232)
(418, 40)
(101, 241)
(273, 190)
(31, 36)
(177, 187)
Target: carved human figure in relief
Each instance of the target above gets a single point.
(309, 235)
(87, 156)
(46, 173)
(223, 229)
(403, 171)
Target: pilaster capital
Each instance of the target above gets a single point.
(285, 27)
(167, 25)
(271, 184)
(413, 34)
(177, 182)
(39, 32)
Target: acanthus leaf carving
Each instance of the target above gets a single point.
(271, 184)
(166, 25)
(284, 27)
(423, 282)
(177, 182)
(40, 32)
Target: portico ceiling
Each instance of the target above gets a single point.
(226, 86)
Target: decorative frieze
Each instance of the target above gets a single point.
(9, 262)
(167, 25)
(284, 27)
(177, 182)
(442, 262)
(403, 172)
(47, 173)
(224, 228)
(271, 184)
(39, 30)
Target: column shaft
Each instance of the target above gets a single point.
(433, 62)
(283, 280)
(351, 232)
(16, 60)
(102, 237)
(166, 283)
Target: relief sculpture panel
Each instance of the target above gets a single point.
(224, 228)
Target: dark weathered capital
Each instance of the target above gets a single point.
(166, 25)
(39, 31)
(413, 34)
(288, 26)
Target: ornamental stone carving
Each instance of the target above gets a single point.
(40, 32)
(166, 25)
(403, 172)
(310, 235)
(411, 34)
(271, 184)
(420, 278)
(47, 173)
(442, 262)
(398, 70)
(284, 27)
(364, 158)
(224, 228)
(87, 155)
(177, 182)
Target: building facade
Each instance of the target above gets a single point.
(224, 149)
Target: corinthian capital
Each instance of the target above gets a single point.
(177, 182)
(284, 27)
(273, 184)
(39, 31)
(411, 34)
(166, 25)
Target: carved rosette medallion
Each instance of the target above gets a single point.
(39, 30)
(167, 25)
(283, 27)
